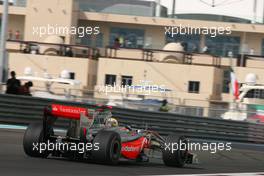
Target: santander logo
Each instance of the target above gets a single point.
(68, 109)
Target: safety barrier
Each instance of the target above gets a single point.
(23, 110)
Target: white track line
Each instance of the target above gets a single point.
(16, 127)
(20, 127)
(217, 174)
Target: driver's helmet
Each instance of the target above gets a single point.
(111, 122)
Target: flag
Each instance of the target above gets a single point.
(234, 85)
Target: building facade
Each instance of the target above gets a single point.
(196, 74)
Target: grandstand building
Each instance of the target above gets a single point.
(196, 72)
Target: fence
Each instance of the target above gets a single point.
(152, 103)
(24, 110)
(32, 47)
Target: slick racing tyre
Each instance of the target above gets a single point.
(32, 138)
(109, 147)
(176, 152)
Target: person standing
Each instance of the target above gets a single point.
(69, 52)
(13, 84)
(117, 43)
(164, 106)
(17, 35)
(10, 34)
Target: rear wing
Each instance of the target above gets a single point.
(80, 118)
(73, 112)
(68, 112)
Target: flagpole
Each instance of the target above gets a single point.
(158, 8)
(232, 105)
(3, 53)
(255, 11)
(173, 8)
(263, 14)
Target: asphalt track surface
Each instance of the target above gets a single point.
(13, 161)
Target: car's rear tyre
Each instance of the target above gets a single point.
(109, 147)
(32, 138)
(179, 155)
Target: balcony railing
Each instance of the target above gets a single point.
(147, 55)
(32, 47)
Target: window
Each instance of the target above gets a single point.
(110, 79)
(194, 87)
(191, 43)
(92, 41)
(255, 93)
(99, 40)
(127, 80)
(128, 38)
(221, 45)
(226, 82)
(86, 40)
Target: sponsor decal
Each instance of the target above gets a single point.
(130, 149)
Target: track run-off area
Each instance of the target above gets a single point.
(246, 159)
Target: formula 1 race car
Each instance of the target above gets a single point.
(94, 135)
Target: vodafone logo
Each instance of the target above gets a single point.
(130, 149)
